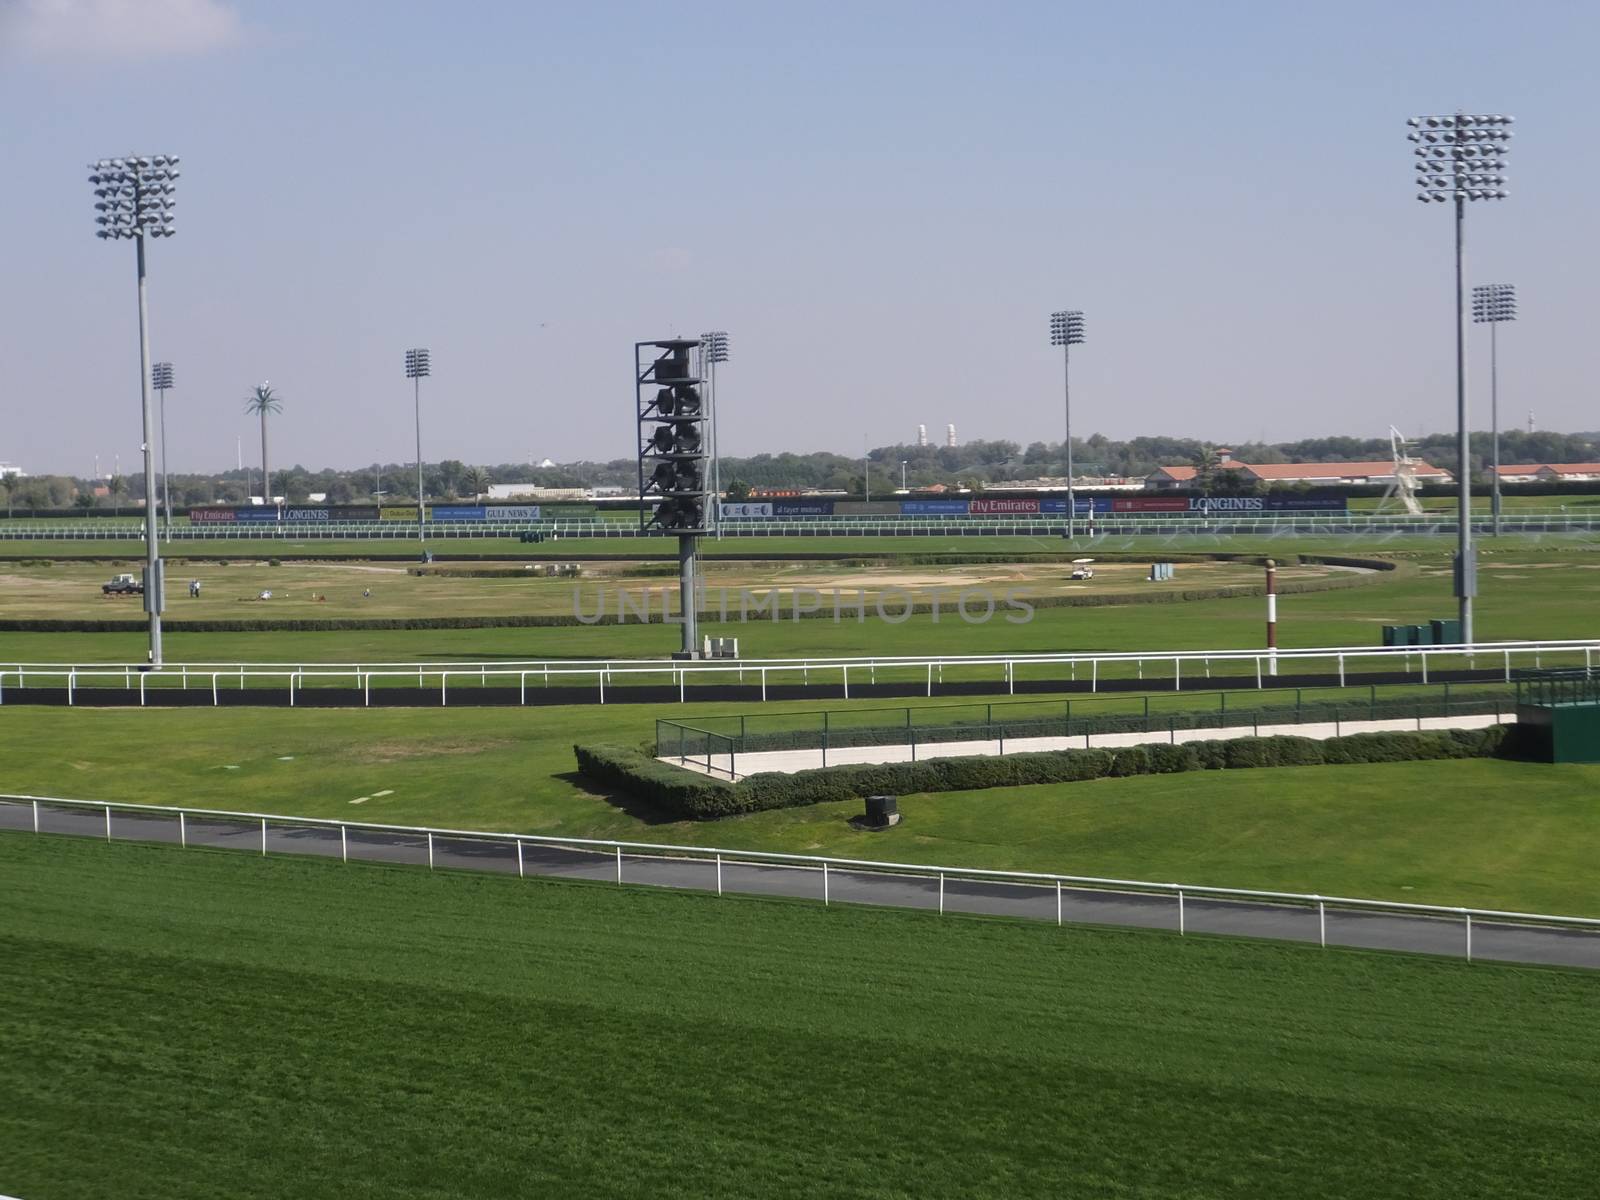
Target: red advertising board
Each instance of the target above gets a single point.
(1000, 507)
(1150, 504)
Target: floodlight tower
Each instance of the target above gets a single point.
(1459, 158)
(673, 456)
(714, 350)
(161, 380)
(1066, 331)
(417, 369)
(135, 198)
(1493, 303)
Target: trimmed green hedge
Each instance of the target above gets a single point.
(687, 794)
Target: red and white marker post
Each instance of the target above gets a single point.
(1272, 616)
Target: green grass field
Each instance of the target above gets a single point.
(1538, 594)
(1482, 833)
(70, 590)
(193, 1024)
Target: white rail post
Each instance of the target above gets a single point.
(1469, 933)
(847, 683)
(519, 859)
(1181, 924)
(1177, 674)
(366, 689)
(1341, 670)
(1094, 674)
(72, 678)
(36, 816)
(619, 864)
(719, 874)
(522, 692)
(1058, 902)
(1322, 923)
(443, 698)
(1423, 654)
(263, 837)
(108, 822)
(824, 883)
(213, 689)
(1258, 673)
(183, 831)
(291, 689)
(142, 678)
(603, 688)
(941, 893)
(344, 846)
(930, 679)
(763, 684)
(430, 849)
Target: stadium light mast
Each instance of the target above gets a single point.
(1459, 158)
(134, 197)
(714, 350)
(1493, 303)
(417, 369)
(161, 380)
(1066, 331)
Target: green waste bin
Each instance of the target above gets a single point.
(1445, 632)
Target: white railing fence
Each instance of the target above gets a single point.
(1075, 899)
(1162, 670)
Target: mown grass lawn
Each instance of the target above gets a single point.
(1483, 833)
(195, 1024)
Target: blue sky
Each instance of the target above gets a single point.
(881, 202)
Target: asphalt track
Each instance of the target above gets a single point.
(1418, 933)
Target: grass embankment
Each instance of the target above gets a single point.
(202, 1024)
(1482, 833)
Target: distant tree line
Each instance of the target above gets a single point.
(976, 465)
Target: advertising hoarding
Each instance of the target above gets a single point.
(741, 509)
(1008, 506)
(866, 508)
(456, 512)
(934, 508)
(511, 512)
(802, 508)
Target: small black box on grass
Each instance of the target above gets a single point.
(883, 811)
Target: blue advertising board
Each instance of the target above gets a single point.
(802, 508)
(934, 508)
(457, 512)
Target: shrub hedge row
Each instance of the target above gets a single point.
(687, 794)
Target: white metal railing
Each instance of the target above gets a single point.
(842, 525)
(1260, 911)
(1163, 670)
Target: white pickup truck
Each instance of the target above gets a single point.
(123, 585)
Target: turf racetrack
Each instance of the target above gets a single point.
(200, 1024)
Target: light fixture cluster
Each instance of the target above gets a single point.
(161, 376)
(714, 346)
(1066, 328)
(1461, 156)
(134, 195)
(1494, 302)
(417, 364)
